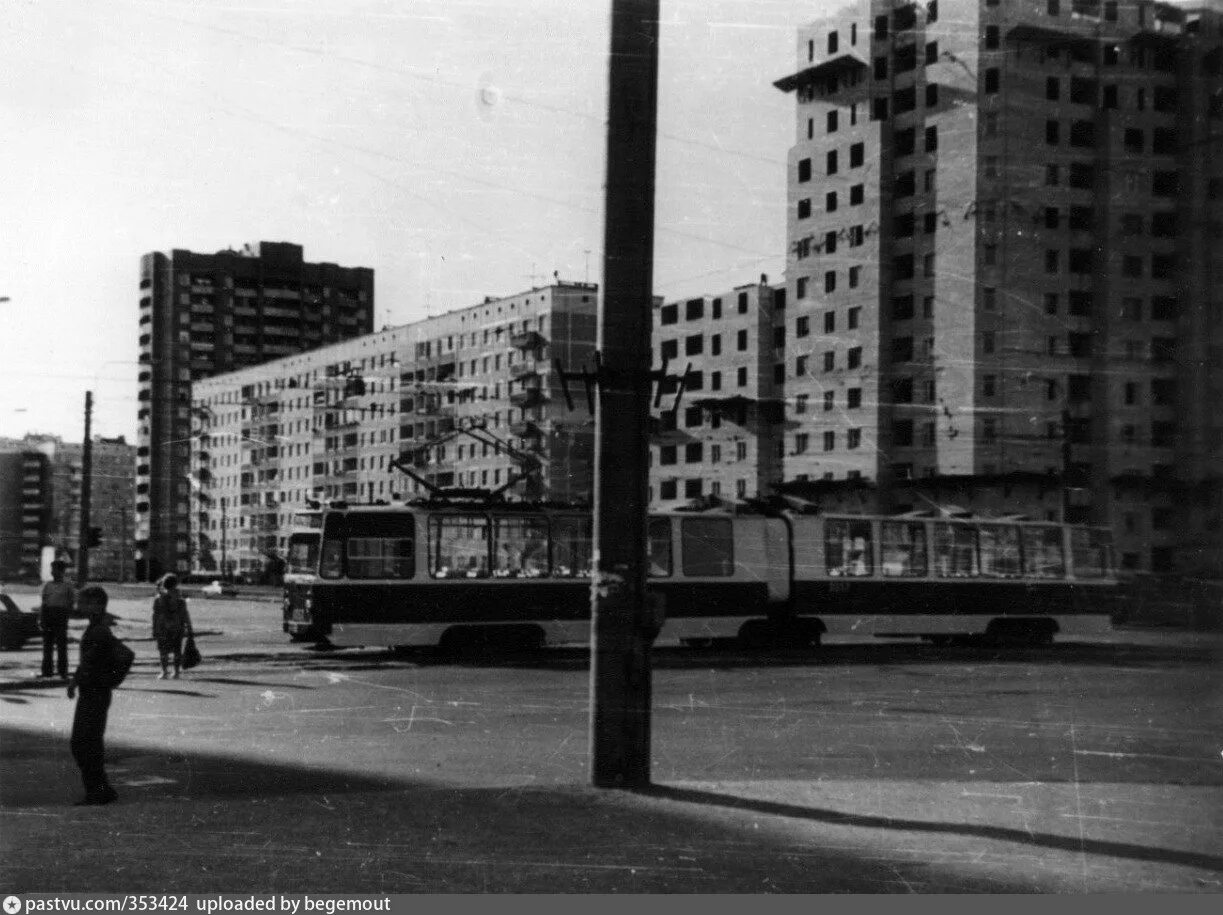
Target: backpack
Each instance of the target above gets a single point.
(121, 659)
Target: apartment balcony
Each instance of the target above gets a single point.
(526, 429)
(528, 340)
(531, 397)
(827, 73)
(520, 371)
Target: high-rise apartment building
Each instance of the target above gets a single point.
(1001, 222)
(723, 439)
(205, 314)
(326, 424)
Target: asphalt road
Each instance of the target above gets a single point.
(862, 766)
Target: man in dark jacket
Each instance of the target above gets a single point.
(58, 598)
(93, 677)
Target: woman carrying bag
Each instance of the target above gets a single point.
(171, 623)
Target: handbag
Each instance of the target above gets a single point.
(121, 658)
(191, 654)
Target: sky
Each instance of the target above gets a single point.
(456, 147)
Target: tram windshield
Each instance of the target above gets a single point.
(302, 556)
(1093, 552)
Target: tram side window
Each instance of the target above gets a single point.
(708, 546)
(903, 550)
(520, 548)
(660, 547)
(847, 548)
(955, 550)
(1000, 556)
(571, 547)
(381, 557)
(380, 545)
(1092, 552)
(458, 546)
(1042, 552)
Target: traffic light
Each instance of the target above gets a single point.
(95, 537)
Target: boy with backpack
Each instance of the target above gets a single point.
(105, 661)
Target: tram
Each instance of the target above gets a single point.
(512, 573)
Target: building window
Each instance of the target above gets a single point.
(991, 80)
(853, 398)
(1053, 88)
(694, 345)
(855, 274)
(853, 317)
(856, 194)
(830, 441)
(830, 281)
(804, 170)
(741, 376)
(832, 121)
(800, 443)
(802, 326)
(800, 403)
(854, 357)
(1051, 260)
(830, 202)
(829, 360)
(1082, 90)
(853, 438)
(804, 208)
(800, 366)
(741, 340)
(987, 341)
(1080, 301)
(831, 161)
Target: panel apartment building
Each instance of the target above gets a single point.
(1002, 295)
(25, 510)
(723, 440)
(46, 512)
(206, 314)
(327, 423)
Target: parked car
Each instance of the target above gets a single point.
(16, 625)
(216, 589)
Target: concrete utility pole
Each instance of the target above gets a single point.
(82, 549)
(621, 622)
